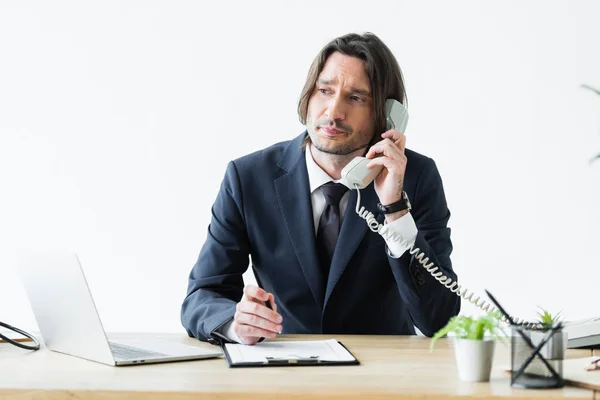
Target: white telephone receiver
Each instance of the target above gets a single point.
(356, 175)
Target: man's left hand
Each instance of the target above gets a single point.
(390, 181)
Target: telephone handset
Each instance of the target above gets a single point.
(357, 176)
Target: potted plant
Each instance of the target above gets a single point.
(557, 345)
(474, 350)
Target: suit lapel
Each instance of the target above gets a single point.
(293, 196)
(352, 232)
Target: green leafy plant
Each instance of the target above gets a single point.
(471, 328)
(591, 88)
(548, 319)
(597, 156)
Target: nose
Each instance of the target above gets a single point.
(335, 108)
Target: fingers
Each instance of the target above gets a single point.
(393, 135)
(257, 295)
(253, 319)
(390, 181)
(389, 164)
(398, 138)
(254, 293)
(385, 147)
(260, 311)
(394, 159)
(257, 322)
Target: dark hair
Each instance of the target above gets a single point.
(382, 68)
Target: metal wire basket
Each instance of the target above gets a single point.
(536, 356)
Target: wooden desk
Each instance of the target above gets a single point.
(392, 367)
(13, 336)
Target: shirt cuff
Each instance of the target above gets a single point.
(227, 332)
(406, 229)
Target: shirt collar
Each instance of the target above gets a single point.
(316, 176)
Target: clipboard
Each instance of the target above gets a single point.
(288, 354)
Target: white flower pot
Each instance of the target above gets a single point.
(474, 359)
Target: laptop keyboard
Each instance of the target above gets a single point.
(125, 352)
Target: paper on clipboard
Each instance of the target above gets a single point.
(324, 350)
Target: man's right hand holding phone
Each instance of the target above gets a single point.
(254, 319)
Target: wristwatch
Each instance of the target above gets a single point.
(400, 205)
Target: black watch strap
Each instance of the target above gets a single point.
(400, 205)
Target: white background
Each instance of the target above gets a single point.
(117, 120)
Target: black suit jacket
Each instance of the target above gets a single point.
(263, 210)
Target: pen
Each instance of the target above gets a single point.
(269, 305)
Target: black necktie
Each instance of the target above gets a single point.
(329, 224)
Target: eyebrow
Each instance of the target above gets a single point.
(351, 88)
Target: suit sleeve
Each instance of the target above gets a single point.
(215, 283)
(429, 303)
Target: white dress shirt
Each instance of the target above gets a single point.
(404, 226)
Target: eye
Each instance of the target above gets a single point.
(357, 99)
(324, 91)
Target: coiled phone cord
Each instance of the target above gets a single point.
(430, 267)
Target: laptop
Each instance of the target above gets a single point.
(69, 322)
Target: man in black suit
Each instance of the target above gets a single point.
(319, 267)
